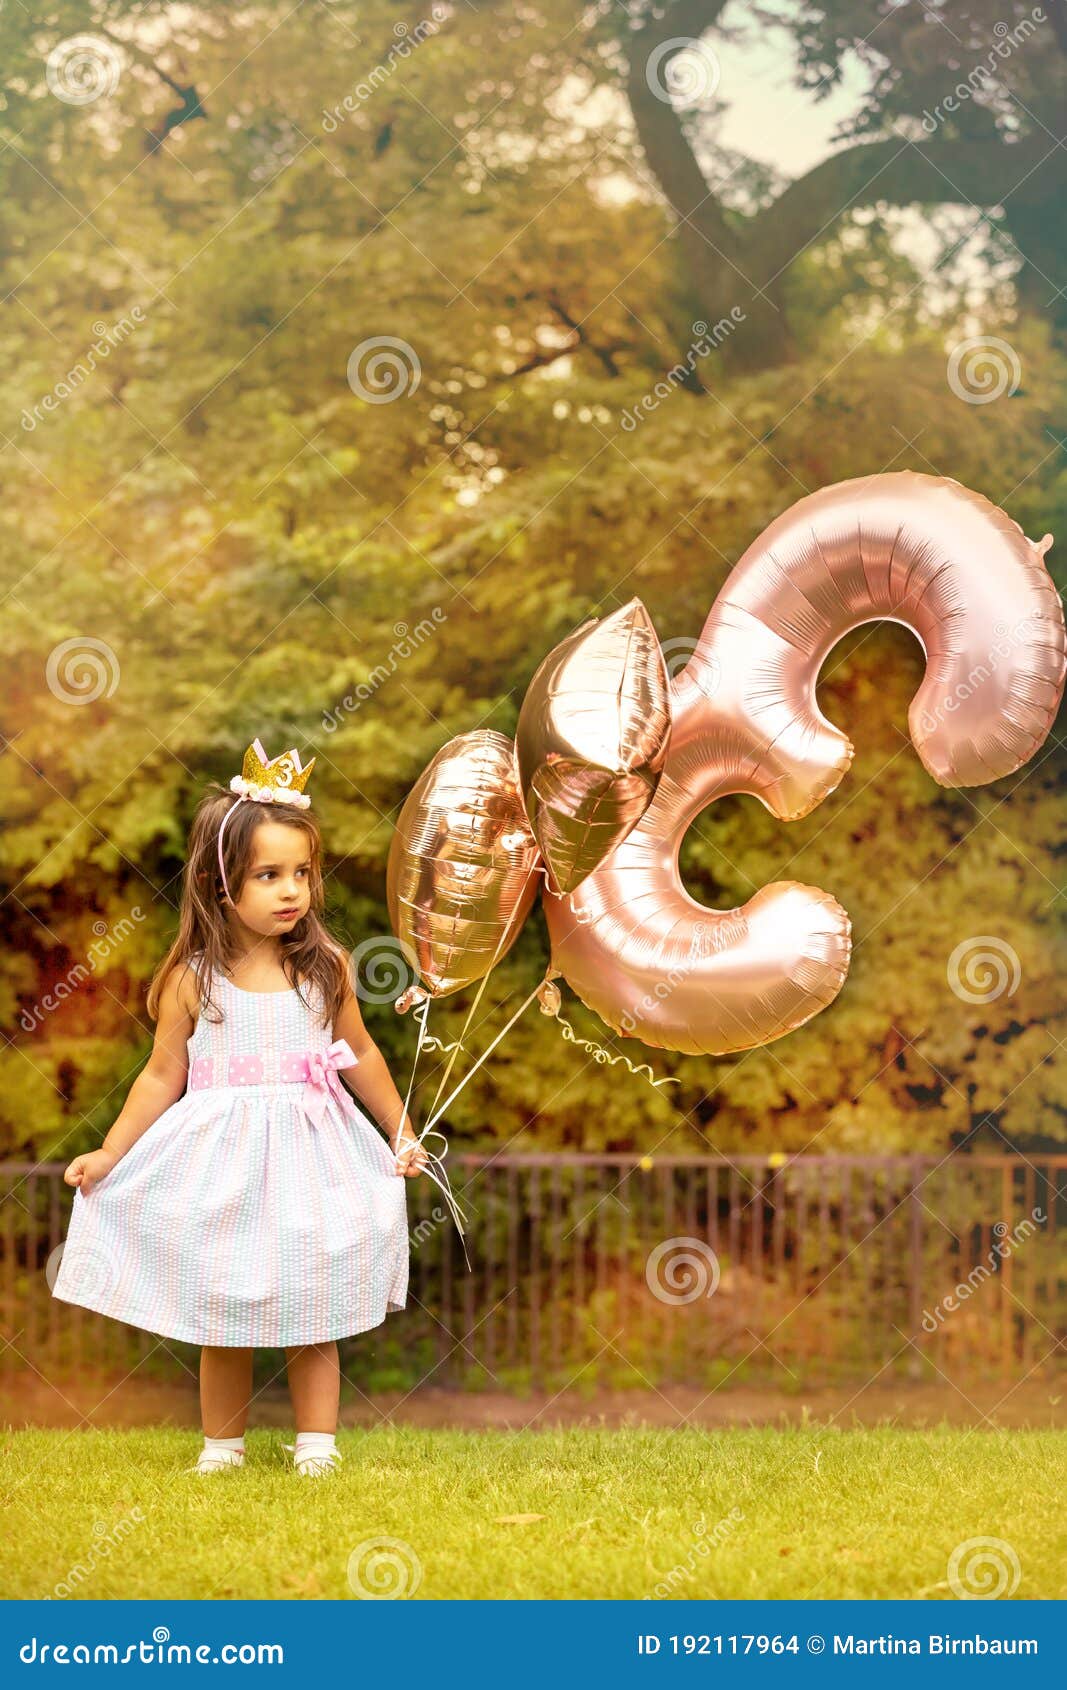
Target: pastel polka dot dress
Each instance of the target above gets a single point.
(262, 1208)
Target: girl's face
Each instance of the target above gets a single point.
(277, 887)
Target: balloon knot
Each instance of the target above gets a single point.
(549, 998)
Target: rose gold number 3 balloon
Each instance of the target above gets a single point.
(908, 548)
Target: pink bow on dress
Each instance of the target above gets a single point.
(322, 1078)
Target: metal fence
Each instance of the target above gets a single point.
(628, 1271)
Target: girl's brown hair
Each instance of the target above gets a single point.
(309, 954)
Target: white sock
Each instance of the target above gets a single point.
(216, 1446)
(314, 1443)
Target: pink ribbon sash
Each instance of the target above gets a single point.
(322, 1078)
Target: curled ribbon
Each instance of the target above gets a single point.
(427, 1041)
(322, 1078)
(550, 1001)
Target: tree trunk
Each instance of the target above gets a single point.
(1039, 235)
(740, 263)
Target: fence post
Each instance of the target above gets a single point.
(546, 1290)
(915, 1267)
(1005, 1276)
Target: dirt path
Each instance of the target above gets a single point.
(29, 1401)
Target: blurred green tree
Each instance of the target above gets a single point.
(224, 515)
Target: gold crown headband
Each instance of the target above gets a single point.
(278, 780)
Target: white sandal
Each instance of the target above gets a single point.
(217, 1460)
(315, 1465)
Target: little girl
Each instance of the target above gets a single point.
(241, 1198)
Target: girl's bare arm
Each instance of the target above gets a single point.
(160, 1083)
(373, 1084)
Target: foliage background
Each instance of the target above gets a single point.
(250, 540)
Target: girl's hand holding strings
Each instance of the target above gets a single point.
(410, 1154)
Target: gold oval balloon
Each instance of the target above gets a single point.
(592, 739)
(910, 548)
(463, 867)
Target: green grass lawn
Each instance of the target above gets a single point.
(808, 1512)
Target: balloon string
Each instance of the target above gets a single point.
(418, 1052)
(601, 1055)
(457, 1045)
(426, 1041)
(435, 1162)
(487, 1052)
(440, 1179)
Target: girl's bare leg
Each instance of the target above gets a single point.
(225, 1390)
(314, 1386)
